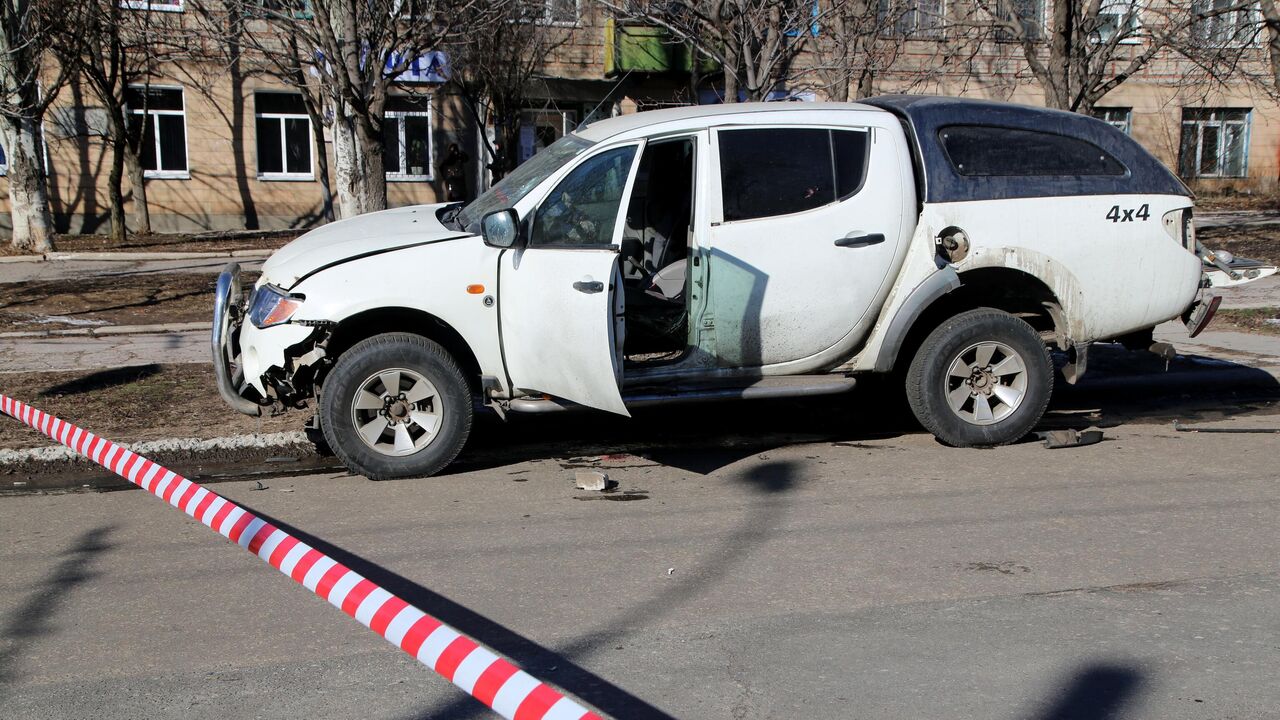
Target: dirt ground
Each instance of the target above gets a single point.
(171, 242)
(1255, 320)
(108, 300)
(148, 402)
(1258, 242)
(1237, 201)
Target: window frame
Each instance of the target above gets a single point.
(284, 175)
(404, 175)
(1221, 123)
(545, 17)
(1249, 17)
(4, 161)
(1128, 117)
(159, 174)
(150, 5)
(1108, 6)
(956, 167)
(716, 203)
(1003, 7)
(893, 30)
(554, 181)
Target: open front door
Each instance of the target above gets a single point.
(559, 299)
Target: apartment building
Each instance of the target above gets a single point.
(224, 152)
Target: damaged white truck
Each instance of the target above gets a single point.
(720, 252)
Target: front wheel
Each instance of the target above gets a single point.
(394, 406)
(982, 378)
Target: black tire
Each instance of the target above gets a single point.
(402, 351)
(955, 343)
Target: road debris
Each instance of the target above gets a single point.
(1055, 439)
(585, 479)
(1179, 427)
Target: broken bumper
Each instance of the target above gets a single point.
(227, 317)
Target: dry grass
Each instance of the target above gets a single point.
(148, 402)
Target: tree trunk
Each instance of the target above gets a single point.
(28, 188)
(322, 166)
(115, 195)
(1271, 19)
(138, 188)
(362, 181)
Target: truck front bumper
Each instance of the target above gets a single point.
(228, 314)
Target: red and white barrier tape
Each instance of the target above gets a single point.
(499, 684)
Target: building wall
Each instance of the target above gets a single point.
(223, 190)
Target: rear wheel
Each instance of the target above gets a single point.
(982, 378)
(396, 405)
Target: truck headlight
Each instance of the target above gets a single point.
(273, 306)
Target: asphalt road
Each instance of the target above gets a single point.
(868, 577)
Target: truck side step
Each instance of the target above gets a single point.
(761, 389)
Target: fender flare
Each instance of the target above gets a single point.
(940, 283)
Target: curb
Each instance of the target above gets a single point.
(61, 453)
(157, 329)
(136, 256)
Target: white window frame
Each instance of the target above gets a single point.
(1127, 126)
(158, 174)
(404, 175)
(1243, 19)
(1042, 31)
(1122, 9)
(1221, 124)
(917, 31)
(150, 5)
(545, 17)
(284, 143)
(4, 164)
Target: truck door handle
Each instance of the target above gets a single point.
(858, 239)
(585, 286)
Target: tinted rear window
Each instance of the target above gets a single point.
(983, 151)
(779, 171)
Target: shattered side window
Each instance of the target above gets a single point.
(987, 151)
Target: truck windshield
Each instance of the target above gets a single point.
(521, 180)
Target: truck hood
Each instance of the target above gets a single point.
(356, 237)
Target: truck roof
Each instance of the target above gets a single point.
(609, 127)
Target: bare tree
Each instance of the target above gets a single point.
(345, 56)
(493, 71)
(1088, 48)
(117, 50)
(756, 42)
(860, 40)
(27, 87)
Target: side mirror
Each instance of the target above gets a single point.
(500, 229)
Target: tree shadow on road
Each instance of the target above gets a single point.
(101, 380)
(34, 618)
(561, 666)
(1097, 692)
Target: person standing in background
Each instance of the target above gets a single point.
(453, 168)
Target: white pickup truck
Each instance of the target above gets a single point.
(732, 251)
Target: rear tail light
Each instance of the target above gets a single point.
(1180, 226)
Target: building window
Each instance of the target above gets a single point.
(1117, 117)
(4, 162)
(161, 5)
(164, 130)
(1215, 143)
(284, 136)
(551, 12)
(1221, 26)
(910, 18)
(540, 128)
(1027, 14)
(1118, 17)
(406, 138)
